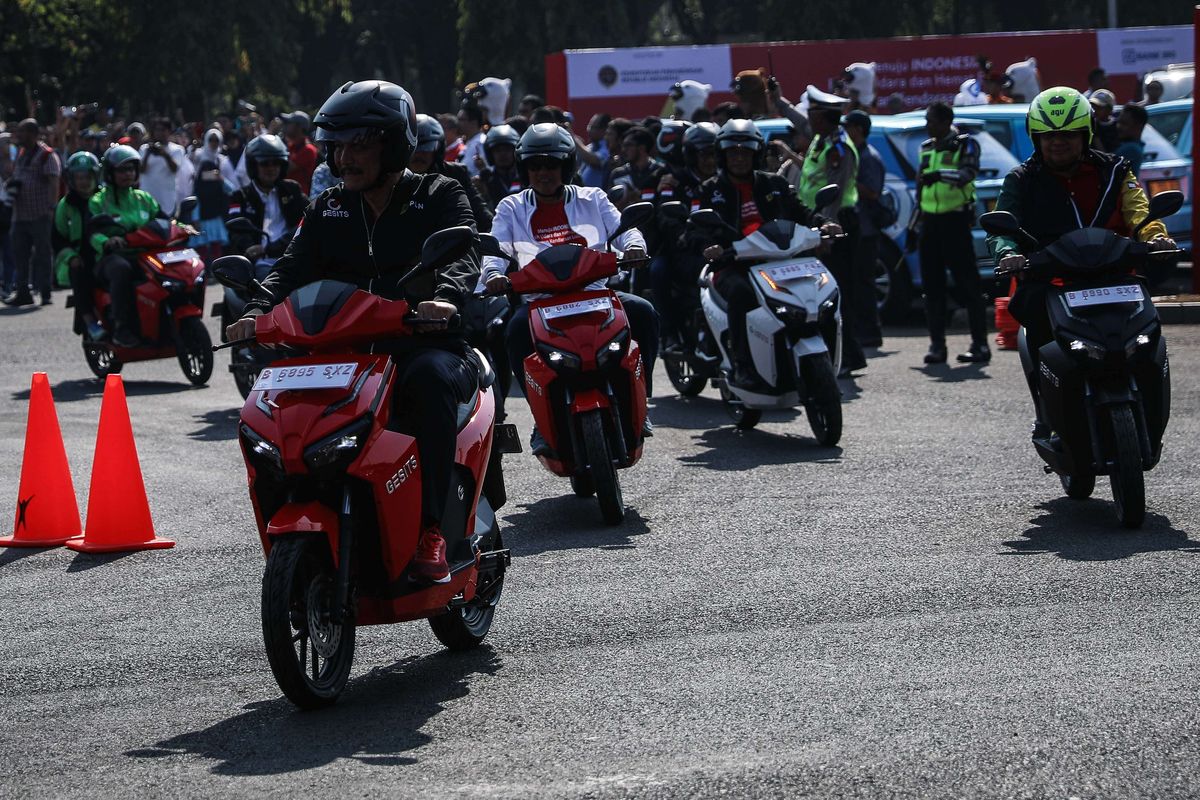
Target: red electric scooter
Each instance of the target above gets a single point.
(584, 379)
(169, 300)
(337, 493)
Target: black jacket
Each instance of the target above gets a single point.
(458, 172)
(332, 242)
(500, 185)
(248, 203)
(772, 194)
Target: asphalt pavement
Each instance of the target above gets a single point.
(915, 613)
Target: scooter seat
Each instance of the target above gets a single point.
(487, 375)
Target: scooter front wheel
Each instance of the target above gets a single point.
(824, 407)
(600, 468)
(309, 653)
(1127, 479)
(101, 360)
(195, 351)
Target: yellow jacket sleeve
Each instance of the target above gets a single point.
(1135, 206)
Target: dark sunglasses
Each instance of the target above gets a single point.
(542, 164)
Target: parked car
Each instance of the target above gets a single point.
(1164, 168)
(1174, 121)
(898, 140)
(1177, 80)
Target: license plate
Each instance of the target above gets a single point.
(309, 376)
(1157, 187)
(790, 272)
(177, 255)
(1104, 296)
(578, 307)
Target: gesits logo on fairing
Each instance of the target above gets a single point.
(334, 209)
(406, 471)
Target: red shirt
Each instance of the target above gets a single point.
(302, 157)
(1085, 191)
(550, 225)
(751, 220)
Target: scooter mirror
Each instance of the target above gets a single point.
(187, 207)
(633, 216)
(674, 211)
(445, 246)
(490, 246)
(827, 194)
(243, 225)
(99, 222)
(1000, 223)
(233, 271)
(1163, 205)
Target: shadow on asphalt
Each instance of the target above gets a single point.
(568, 523)
(10, 554)
(219, 424)
(959, 373)
(1089, 531)
(85, 561)
(377, 721)
(86, 388)
(702, 413)
(728, 449)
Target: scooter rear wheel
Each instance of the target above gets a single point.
(824, 409)
(101, 360)
(1078, 487)
(309, 653)
(465, 627)
(1127, 479)
(195, 351)
(743, 418)
(683, 377)
(600, 468)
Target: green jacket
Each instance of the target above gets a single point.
(132, 208)
(69, 219)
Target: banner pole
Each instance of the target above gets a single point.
(1195, 155)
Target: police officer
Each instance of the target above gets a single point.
(832, 158)
(946, 199)
(369, 230)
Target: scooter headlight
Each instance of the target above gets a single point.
(612, 353)
(260, 452)
(559, 360)
(829, 306)
(787, 313)
(339, 449)
(1090, 349)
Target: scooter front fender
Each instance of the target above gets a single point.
(588, 400)
(310, 517)
(809, 346)
(187, 312)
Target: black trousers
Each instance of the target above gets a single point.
(116, 273)
(643, 327)
(83, 286)
(842, 262)
(430, 385)
(946, 245)
(733, 282)
(866, 312)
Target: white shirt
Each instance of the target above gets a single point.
(474, 147)
(589, 213)
(273, 222)
(167, 187)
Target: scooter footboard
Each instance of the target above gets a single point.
(1062, 394)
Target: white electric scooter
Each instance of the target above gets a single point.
(795, 333)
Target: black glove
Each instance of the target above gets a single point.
(928, 178)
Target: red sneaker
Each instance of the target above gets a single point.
(429, 561)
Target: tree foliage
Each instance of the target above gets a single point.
(142, 55)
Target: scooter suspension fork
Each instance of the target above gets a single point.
(341, 607)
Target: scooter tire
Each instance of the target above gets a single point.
(299, 573)
(743, 418)
(1127, 479)
(195, 351)
(824, 408)
(102, 361)
(683, 377)
(602, 472)
(465, 627)
(1078, 487)
(582, 486)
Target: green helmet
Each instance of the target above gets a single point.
(1060, 108)
(117, 155)
(84, 161)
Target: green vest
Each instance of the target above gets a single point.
(814, 174)
(942, 197)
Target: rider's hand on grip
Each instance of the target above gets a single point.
(434, 314)
(1013, 262)
(713, 252)
(497, 284)
(242, 329)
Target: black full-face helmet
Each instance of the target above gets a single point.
(741, 133)
(549, 140)
(701, 136)
(368, 109)
(431, 137)
(267, 147)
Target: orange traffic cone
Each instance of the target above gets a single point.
(47, 514)
(1007, 326)
(118, 514)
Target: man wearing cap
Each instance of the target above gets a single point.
(832, 159)
(1102, 101)
(302, 154)
(949, 162)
